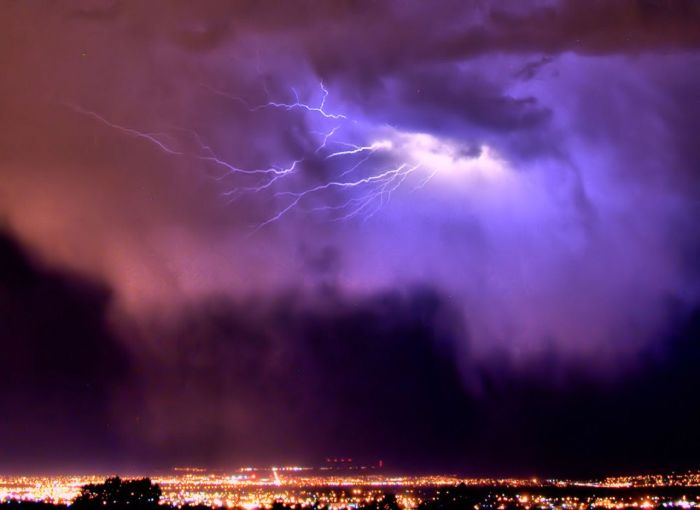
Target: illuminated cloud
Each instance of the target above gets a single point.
(502, 183)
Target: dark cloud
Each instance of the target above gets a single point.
(530, 69)
(539, 267)
(61, 366)
(597, 27)
(443, 100)
(297, 380)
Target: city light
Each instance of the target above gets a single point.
(253, 487)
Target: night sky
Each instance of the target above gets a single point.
(455, 235)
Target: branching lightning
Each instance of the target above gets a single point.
(370, 190)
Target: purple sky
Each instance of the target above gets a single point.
(265, 211)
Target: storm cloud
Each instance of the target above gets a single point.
(270, 211)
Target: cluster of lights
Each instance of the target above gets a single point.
(502, 501)
(689, 479)
(253, 487)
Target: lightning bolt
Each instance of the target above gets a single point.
(296, 105)
(382, 185)
(356, 149)
(370, 192)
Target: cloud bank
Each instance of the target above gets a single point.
(282, 188)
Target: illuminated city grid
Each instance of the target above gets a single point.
(259, 488)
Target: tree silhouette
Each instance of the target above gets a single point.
(115, 492)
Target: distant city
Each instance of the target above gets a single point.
(342, 484)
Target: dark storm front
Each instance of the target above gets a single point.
(457, 235)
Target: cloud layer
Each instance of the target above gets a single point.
(541, 205)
